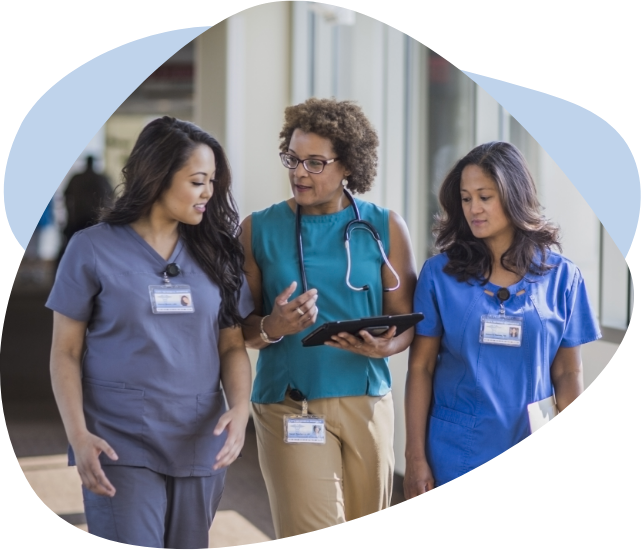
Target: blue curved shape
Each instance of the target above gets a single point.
(59, 126)
(54, 133)
(590, 152)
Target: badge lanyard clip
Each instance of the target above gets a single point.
(503, 294)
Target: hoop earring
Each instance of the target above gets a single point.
(344, 182)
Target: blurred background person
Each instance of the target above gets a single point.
(86, 193)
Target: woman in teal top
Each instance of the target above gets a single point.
(329, 148)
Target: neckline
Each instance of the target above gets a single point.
(316, 218)
(490, 284)
(513, 289)
(152, 251)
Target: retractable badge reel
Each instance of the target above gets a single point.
(170, 298)
(501, 329)
(304, 427)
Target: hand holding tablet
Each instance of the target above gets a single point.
(374, 325)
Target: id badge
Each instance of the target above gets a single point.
(171, 299)
(304, 429)
(501, 330)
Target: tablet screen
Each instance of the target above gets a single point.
(374, 325)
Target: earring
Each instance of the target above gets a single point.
(344, 182)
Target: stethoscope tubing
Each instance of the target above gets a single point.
(356, 223)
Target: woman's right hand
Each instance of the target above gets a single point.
(418, 478)
(286, 317)
(86, 449)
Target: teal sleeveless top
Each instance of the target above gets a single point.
(320, 371)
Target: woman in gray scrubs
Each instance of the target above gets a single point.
(147, 310)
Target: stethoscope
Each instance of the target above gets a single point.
(356, 223)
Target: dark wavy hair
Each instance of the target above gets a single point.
(342, 122)
(469, 257)
(162, 148)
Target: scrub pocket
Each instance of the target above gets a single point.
(210, 407)
(449, 443)
(114, 413)
(99, 515)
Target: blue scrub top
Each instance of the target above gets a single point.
(151, 383)
(481, 391)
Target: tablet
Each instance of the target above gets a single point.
(373, 325)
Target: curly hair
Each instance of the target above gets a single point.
(162, 148)
(342, 122)
(469, 257)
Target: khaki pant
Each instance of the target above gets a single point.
(313, 486)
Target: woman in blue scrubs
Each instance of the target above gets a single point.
(147, 311)
(505, 318)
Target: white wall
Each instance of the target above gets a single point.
(392, 166)
(210, 82)
(579, 225)
(266, 94)
(614, 288)
(241, 90)
(369, 43)
(487, 117)
(595, 356)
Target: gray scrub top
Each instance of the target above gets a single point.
(151, 382)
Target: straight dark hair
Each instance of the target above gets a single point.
(163, 147)
(469, 257)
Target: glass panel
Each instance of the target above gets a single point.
(522, 139)
(615, 298)
(451, 123)
(630, 296)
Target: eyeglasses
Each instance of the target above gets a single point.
(313, 166)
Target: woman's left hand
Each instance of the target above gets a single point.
(365, 344)
(235, 422)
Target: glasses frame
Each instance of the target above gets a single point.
(304, 162)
